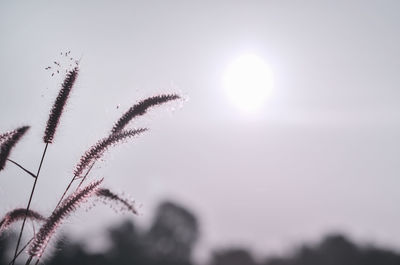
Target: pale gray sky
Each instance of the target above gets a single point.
(322, 155)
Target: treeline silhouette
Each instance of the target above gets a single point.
(172, 236)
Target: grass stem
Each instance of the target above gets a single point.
(28, 261)
(21, 250)
(21, 167)
(29, 204)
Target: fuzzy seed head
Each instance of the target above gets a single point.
(110, 197)
(140, 109)
(59, 104)
(7, 141)
(66, 208)
(97, 150)
(17, 215)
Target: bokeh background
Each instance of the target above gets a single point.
(321, 156)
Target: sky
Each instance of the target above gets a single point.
(320, 155)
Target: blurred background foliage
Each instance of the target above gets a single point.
(172, 237)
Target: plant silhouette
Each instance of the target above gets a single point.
(68, 204)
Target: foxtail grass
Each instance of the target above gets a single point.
(59, 105)
(97, 150)
(18, 215)
(7, 141)
(109, 196)
(48, 138)
(67, 205)
(141, 108)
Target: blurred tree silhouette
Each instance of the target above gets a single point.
(126, 245)
(232, 257)
(337, 250)
(169, 240)
(172, 236)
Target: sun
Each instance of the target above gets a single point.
(248, 82)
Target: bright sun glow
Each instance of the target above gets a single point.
(248, 82)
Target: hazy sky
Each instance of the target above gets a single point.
(321, 155)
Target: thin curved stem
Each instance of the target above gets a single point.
(65, 192)
(87, 173)
(62, 197)
(21, 167)
(70, 183)
(29, 203)
(28, 261)
(21, 250)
